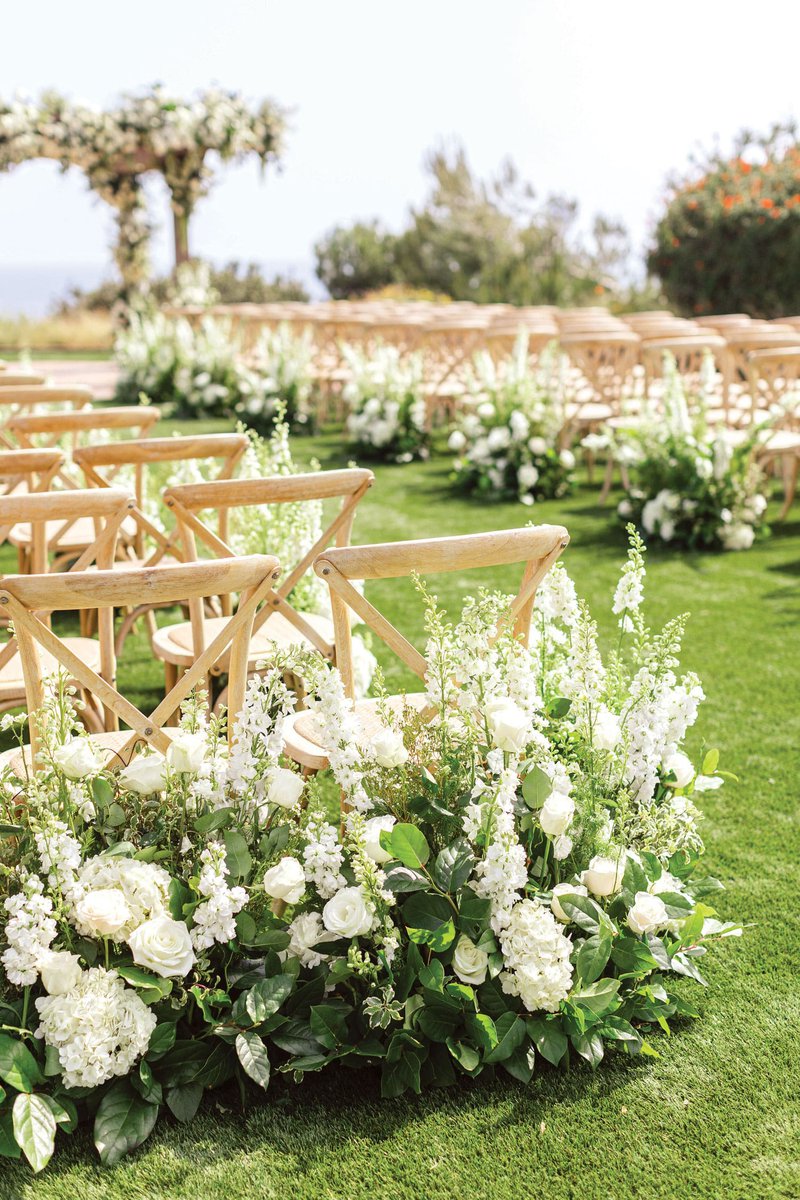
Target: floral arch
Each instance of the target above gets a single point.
(146, 132)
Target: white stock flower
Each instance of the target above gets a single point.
(373, 828)
(469, 962)
(102, 912)
(77, 758)
(603, 876)
(388, 749)
(347, 914)
(509, 725)
(285, 787)
(285, 881)
(186, 752)
(679, 765)
(29, 930)
(305, 932)
(146, 775)
(60, 971)
(556, 814)
(214, 919)
(163, 946)
(647, 914)
(606, 729)
(565, 889)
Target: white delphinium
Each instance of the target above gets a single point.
(29, 932)
(502, 872)
(143, 886)
(323, 857)
(536, 955)
(214, 919)
(60, 855)
(629, 593)
(584, 677)
(342, 736)
(100, 1028)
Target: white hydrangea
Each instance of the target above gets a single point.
(322, 858)
(99, 1028)
(537, 957)
(29, 931)
(144, 886)
(214, 919)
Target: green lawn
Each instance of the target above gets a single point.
(717, 1114)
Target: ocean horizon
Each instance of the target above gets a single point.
(33, 290)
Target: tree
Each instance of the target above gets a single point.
(355, 259)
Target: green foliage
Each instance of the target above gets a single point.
(354, 259)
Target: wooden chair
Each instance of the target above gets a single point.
(278, 623)
(27, 471)
(538, 547)
(252, 577)
(100, 465)
(40, 510)
(20, 379)
(15, 400)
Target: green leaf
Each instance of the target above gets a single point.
(633, 957)
(218, 819)
(618, 1030)
(405, 879)
(162, 1039)
(592, 956)
(34, 1129)
(296, 1038)
(583, 911)
(431, 975)
(521, 1063)
(18, 1068)
(145, 1084)
(265, 997)
(438, 1021)
(558, 708)
(590, 1046)
(144, 979)
(482, 1030)
(237, 855)
(428, 918)
(407, 844)
(710, 762)
(245, 928)
(178, 897)
(253, 1056)
(102, 794)
(548, 1039)
(123, 1121)
(8, 1143)
(536, 787)
(453, 866)
(465, 1055)
(183, 1063)
(183, 1101)
(7, 830)
(329, 1024)
(64, 1111)
(400, 1075)
(634, 879)
(510, 1036)
(600, 997)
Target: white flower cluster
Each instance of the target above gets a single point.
(323, 857)
(118, 894)
(29, 931)
(385, 397)
(342, 736)
(60, 855)
(99, 1027)
(214, 919)
(503, 871)
(537, 957)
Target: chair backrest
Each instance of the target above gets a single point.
(20, 379)
(25, 596)
(101, 463)
(28, 470)
(14, 400)
(537, 546)
(351, 484)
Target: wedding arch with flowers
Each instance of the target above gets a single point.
(146, 132)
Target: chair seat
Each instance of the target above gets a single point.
(302, 739)
(589, 413)
(12, 684)
(20, 757)
(175, 643)
(81, 533)
(782, 441)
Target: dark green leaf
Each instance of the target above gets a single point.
(64, 1111)
(237, 855)
(592, 955)
(510, 1036)
(266, 997)
(600, 997)
(590, 1046)
(521, 1063)
(295, 1037)
(453, 866)
(548, 1039)
(8, 1143)
(431, 975)
(584, 912)
(536, 787)
(123, 1121)
(220, 818)
(184, 1101)
(18, 1068)
(482, 1030)
(329, 1024)
(140, 978)
(465, 1055)
(633, 957)
(399, 1076)
(404, 879)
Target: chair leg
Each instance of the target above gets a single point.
(608, 480)
(790, 465)
(170, 679)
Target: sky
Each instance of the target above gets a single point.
(596, 100)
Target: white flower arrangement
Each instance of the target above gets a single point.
(387, 417)
(507, 440)
(691, 484)
(514, 877)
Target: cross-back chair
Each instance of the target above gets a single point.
(106, 512)
(27, 471)
(16, 400)
(278, 623)
(537, 547)
(20, 379)
(252, 577)
(100, 466)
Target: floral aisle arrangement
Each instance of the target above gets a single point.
(690, 483)
(516, 882)
(386, 402)
(507, 440)
(201, 370)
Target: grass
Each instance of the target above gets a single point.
(717, 1114)
(77, 333)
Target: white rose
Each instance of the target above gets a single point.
(456, 442)
(679, 765)
(60, 972)
(605, 730)
(305, 932)
(603, 876)
(562, 847)
(388, 749)
(145, 776)
(186, 752)
(469, 962)
(77, 758)
(285, 787)
(285, 881)
(373, 828)
(647, 914)
(565, 889)
(103, 911)
(163, 946)
(537, 445)
(509, 726)
(556, 814)
(347, 914)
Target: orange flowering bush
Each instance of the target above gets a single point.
(729, 240)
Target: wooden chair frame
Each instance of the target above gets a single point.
(17, 399)
(351, 485)
(20, 379)
(23, 597)
(538, 547)
(26, 426)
